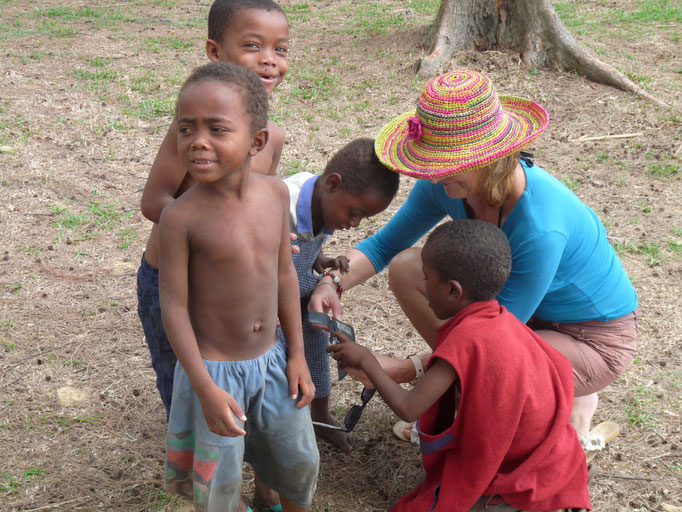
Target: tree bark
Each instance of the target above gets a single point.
(530, 27)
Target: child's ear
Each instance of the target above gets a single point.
(455, 290)
(333, 182)
(212, 50)
(260, 139)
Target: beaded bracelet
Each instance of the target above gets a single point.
(337, 282)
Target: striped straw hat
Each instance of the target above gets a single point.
(460, 124)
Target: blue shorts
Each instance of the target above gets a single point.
(279, 442)
(149, 311)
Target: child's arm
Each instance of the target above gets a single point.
(276, 138)
(165, 177)
(408, 405)
(216, 404)
(289, 313)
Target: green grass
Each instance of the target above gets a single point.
(652, 11)
(155, 45)
(152, 108)
(11, 484)
(314, 84)
(90, 420)
(663, 170)
(126, 235)
(99, 16)
(67, 219)
(16, 129)
(572, 183)
(650, 250)
(14, 287)
(103, 214)
(646, 17)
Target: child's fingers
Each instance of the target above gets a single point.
(343, 265)
(236, 410)
(342, 337)
(232, 429)
(307, 393)
(334, 347)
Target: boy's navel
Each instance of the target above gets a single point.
(257, 326)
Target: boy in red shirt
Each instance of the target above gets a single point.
(495, 401)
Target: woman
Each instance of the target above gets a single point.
(463, 142)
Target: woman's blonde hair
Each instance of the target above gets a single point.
(497, 179)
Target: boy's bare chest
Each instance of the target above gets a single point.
(225, 236)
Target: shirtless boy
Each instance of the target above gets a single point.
(253, 34)
(226, 273)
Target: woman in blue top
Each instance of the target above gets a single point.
(566, 282)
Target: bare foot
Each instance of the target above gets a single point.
(342, 440)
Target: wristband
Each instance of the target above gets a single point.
(337, 282)
(418, 366)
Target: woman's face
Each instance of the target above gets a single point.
(461, 186)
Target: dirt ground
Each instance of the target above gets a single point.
(87, 93)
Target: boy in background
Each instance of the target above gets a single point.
(495, 402)
(250, 33)
(226, 274)
(354, 185)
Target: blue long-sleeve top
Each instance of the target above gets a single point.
(563, 267)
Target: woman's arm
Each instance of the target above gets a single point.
(535, 263)
(420, 212)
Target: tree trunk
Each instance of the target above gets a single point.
(529, 26)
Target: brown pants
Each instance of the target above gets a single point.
(600, 352)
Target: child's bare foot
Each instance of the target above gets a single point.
(319, 411)
(342, 440)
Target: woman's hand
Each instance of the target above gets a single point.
(324, 299)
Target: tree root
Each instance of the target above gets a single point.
(544, 41)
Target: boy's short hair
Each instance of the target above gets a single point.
(360, 169)
(247, 83)
(473, 252)
(222, 13)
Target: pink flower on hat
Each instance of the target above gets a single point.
(414, 128)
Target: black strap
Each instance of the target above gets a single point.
(526, 157)
(471, 215)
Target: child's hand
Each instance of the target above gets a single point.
(299, 379)
(295, 249)
(220, 411)
(323, 262)
(348, 353)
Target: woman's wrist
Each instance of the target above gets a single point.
(404, 371)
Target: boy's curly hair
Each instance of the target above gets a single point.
(473, 252)
(247, 83)
(222, 14)
(361, 170)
